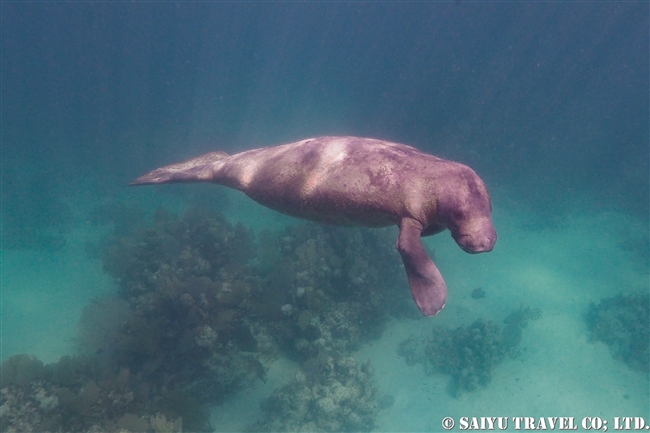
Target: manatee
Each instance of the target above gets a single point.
(359, 181)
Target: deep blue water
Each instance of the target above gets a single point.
(547, 99)
(548, 102)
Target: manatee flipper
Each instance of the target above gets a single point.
(427, 285)
(198, 169)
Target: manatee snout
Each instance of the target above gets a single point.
(479, 240)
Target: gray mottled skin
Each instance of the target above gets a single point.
(359, 181)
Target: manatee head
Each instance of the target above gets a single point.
(464, 207)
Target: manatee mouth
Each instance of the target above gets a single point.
(477, 243)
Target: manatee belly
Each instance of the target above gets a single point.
(334, 208)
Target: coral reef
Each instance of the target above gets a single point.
(75, 394)
(188, 284)
(469, 354)
(334, 394)
(160, 424)
(328, 287)
(326, 291)
(200, 308)
(623, 323)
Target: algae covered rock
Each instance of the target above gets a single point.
(331, 394)
(623, 323)
(470, 353)
(76, 394)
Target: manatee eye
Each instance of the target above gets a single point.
(459, 214)
(451, 212)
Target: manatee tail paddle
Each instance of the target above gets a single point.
(198, 169)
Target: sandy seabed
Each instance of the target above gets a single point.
(559, 269)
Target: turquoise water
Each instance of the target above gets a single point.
(160, 297)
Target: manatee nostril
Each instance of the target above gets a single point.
(489, 242)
